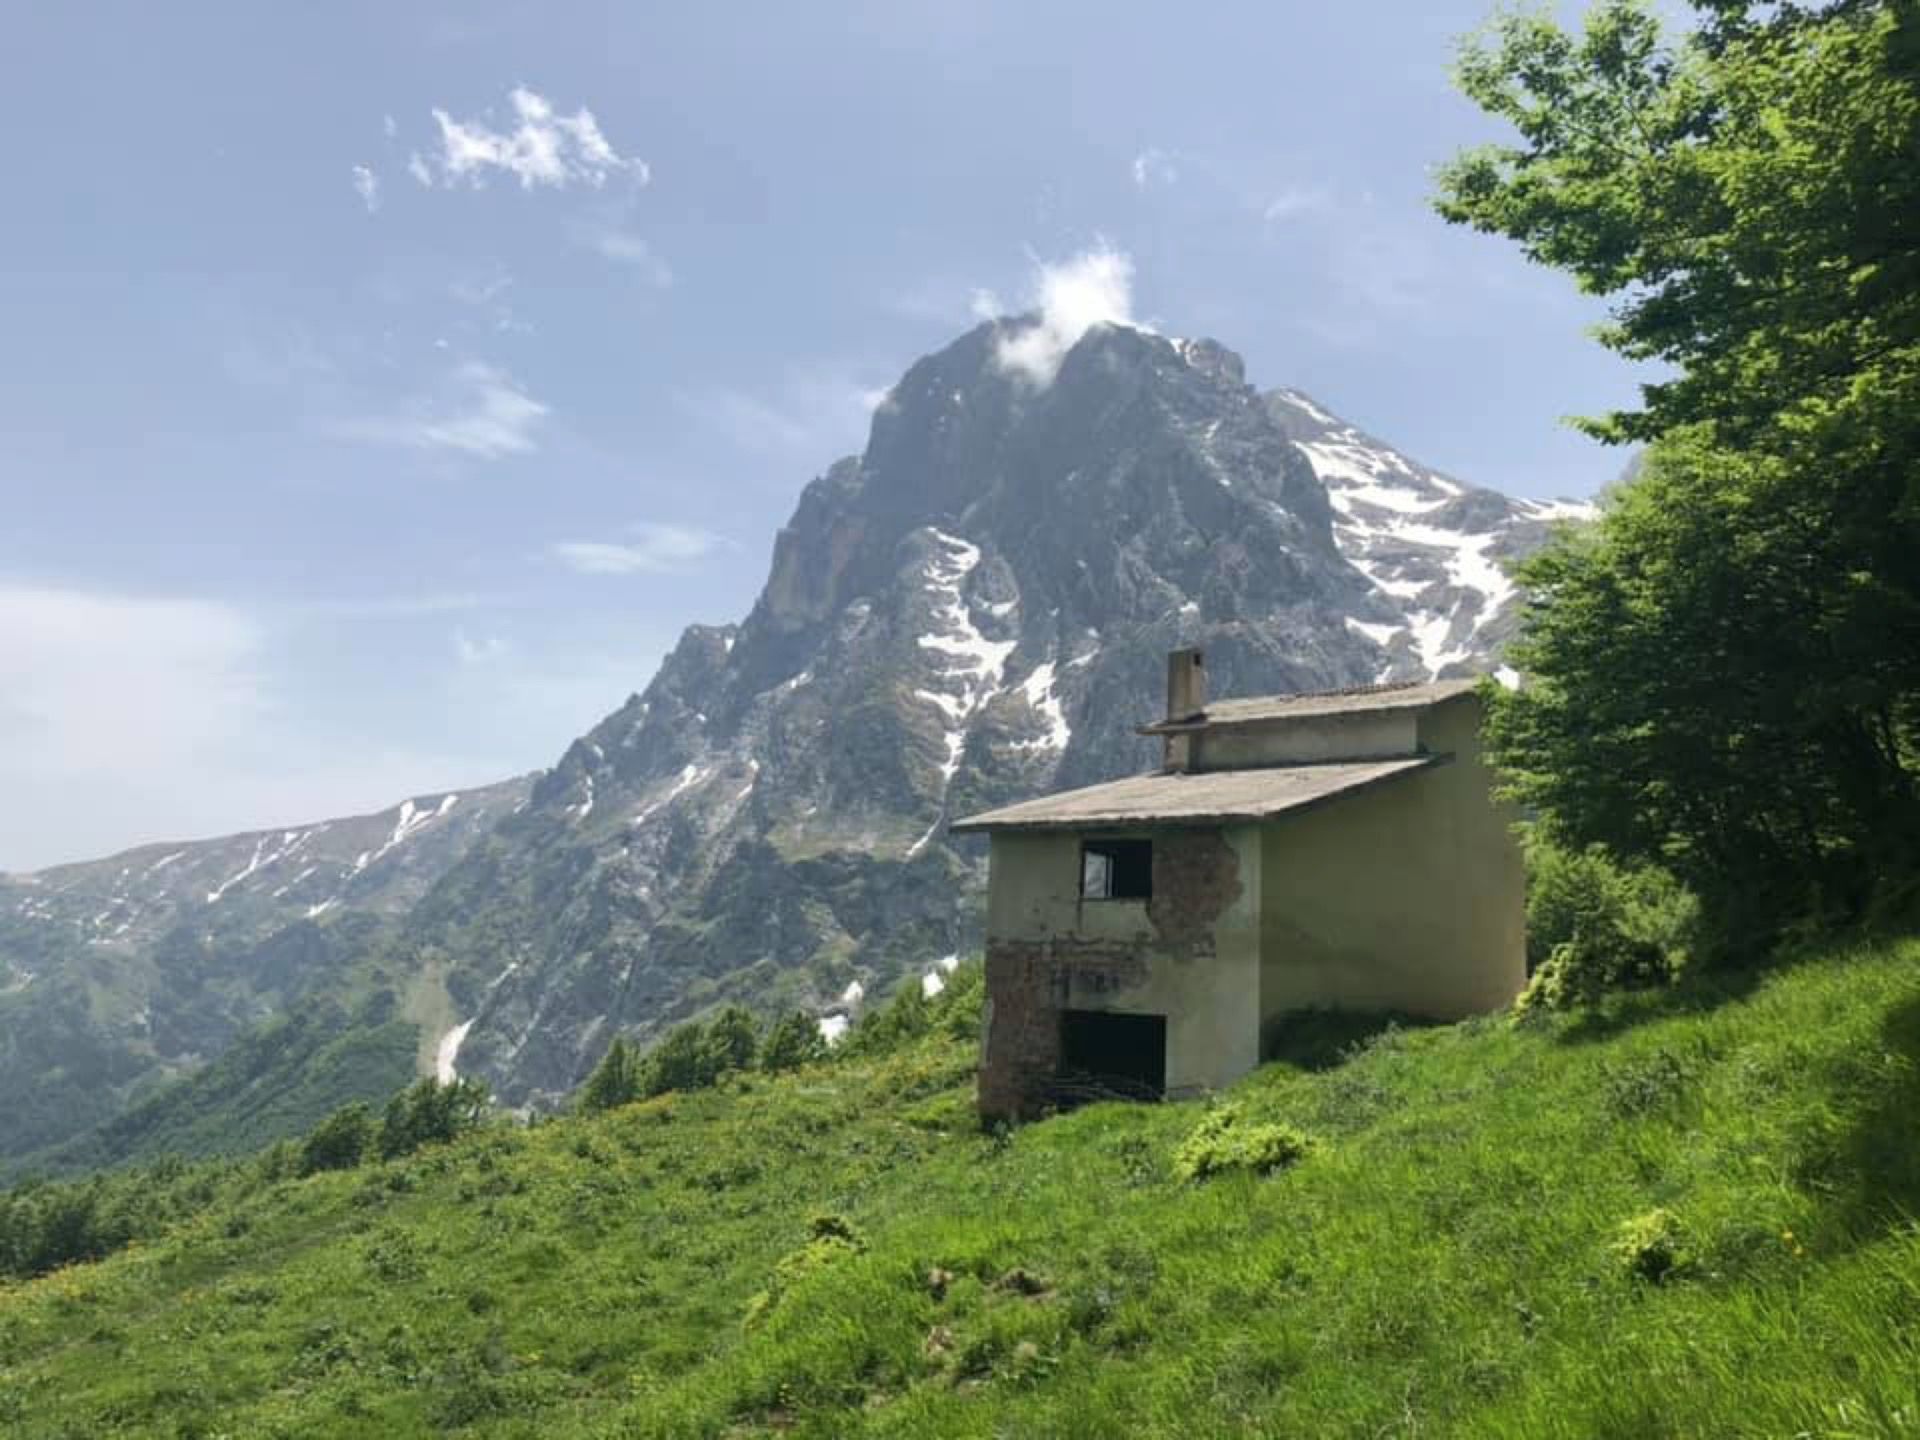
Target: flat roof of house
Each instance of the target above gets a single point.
(1207, 797)
(1253, 709)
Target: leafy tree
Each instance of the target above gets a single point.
(732, 1040)
(338, 1142)
(792, 1041)
(1595, 926)
(430, 1113)
(1726, 673)
(615, 1081)
(908, 1015)
(682, 1061)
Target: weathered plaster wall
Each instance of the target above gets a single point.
(1192, 954)
(1408, 896)
(1306, 741)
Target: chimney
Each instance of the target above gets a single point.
(1186, 683)
(1186, 698)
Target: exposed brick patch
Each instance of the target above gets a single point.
(1021, 1043)
(1029, 982)
(1196, 876)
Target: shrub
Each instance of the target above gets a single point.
(1595, 926)
(429, 1113)
(1652, 1247)
(907, 1016)
(1226, 1140)
(682, 1061)
(338, 1142)
(615, 1080)
(833, 1239)
(732, 1041)
(793, 1041)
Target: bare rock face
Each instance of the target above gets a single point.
(975, 609)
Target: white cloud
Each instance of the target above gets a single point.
(388, 126)
(479, 410)
(543, 147)
(1154, 166)
(1093, 288)
(126, 719)
(985, 305)
(654, 548)
(366, 185)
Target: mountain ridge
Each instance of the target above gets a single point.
(973, 609)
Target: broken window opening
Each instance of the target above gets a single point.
(1116, 870)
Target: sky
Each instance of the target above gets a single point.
(383, 388)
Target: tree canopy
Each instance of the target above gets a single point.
(1725, 671)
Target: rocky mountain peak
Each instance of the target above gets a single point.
(974, 609)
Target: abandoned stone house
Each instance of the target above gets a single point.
(1296, 852)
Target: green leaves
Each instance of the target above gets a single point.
(1725, 676)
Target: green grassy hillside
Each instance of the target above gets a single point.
(1690, 1215)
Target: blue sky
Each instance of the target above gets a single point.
(384, 387)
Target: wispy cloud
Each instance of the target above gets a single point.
(1297, 200)
(617, 243)
(1154, 166)
(542, 148)
(479, 410)
(366, 185)
(478, 649)
(1092, 288)
(654, 548)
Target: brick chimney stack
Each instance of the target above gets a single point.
(1186, 698)
(1186, 684)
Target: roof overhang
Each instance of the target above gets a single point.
(1339, 704)
(1195, 798)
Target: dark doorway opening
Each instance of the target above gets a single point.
(1119, 1054)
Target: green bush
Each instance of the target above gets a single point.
(793, 1041)
(615, 1080)
(832, 1239)
(1595, 926)
(1226, 1140)
(682, 1061)
(338, 1142)
(1652, 1247)
(429, 1113)
(732, 1041)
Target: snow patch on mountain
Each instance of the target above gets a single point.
(1430, 545)
(974, 664)
(448, 1053)
(1038, 688)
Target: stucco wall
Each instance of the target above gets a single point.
(1306, 740)
(1409, 896)
(1192, 954)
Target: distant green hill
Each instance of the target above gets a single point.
(1690, 1214)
